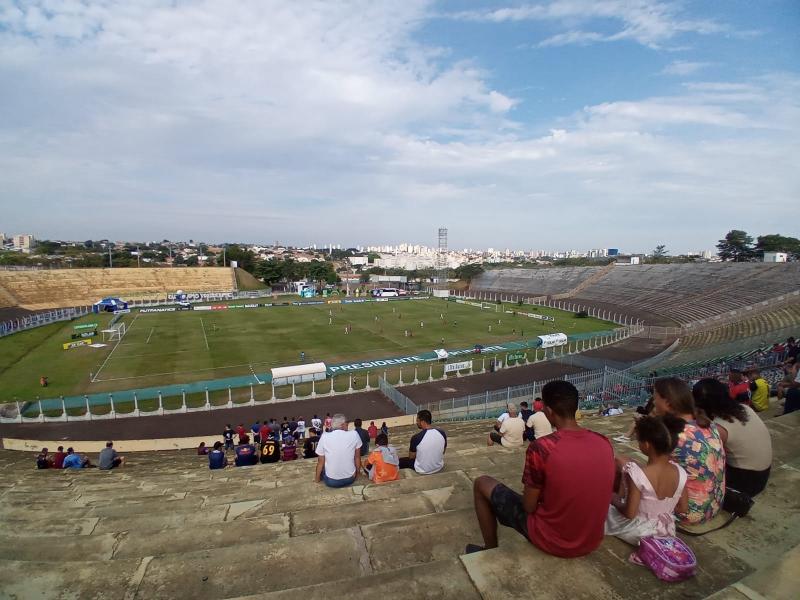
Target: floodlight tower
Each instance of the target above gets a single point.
(440, 289)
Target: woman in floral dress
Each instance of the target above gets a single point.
(699, 451)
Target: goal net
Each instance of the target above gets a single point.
(114, 333)
(490, 306)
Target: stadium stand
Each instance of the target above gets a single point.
(538, 282)
(43, 289)
(7, 299)
(165, 526)
(690, 292)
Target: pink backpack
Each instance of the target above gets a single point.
(667, 557)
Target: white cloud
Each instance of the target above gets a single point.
(684, 67)
(329, 122)
(647, 22)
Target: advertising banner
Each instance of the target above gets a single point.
(551, 340)
(86, 326)
(158, 309)
(516, 356)
(84, 334)
(76, 344)
(459, 366)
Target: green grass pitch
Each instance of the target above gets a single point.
(164, 348)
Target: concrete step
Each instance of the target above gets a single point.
(432, 581)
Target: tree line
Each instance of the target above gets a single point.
(738, 246)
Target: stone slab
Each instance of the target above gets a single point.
(226, 572)
(63, 580)
(150, 523)
(413, 485)
(316, 520)
(135, 544)
(55, 548)
(407, 542)
(434, 581)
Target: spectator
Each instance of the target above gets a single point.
(202, 449)
(363, 436)
(372, 430)
(747, 443)
(525, 414)
(217, 458)
(759, 390)
(699, 451)
(58, 458)
(427, 448)
(649, 496)
(511, 431)
(241, 433)
(328, 422)
(538, 426)
(738, 386)
(791, 389)
(538, 405)
(503, 416)
(384, 428)
(339, 455)
(382, 464)
(310, 446)
(256, 431)
(275, 429)
(75, 461)
(568, 481)
(109, 459)
(270, 450)
(293, 427)
(245, 453)
(316, 423)
(43, 461)
(791, 349)
(284, 427)
(227, 435)
(300, 432)
(289, 449)
(264, 432)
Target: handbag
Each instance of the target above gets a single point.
(737, 503)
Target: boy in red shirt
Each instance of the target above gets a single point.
(241, 433)
(568, 479)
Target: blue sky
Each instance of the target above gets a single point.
(553, 124)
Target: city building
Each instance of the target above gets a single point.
(24, 242)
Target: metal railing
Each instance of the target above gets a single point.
(400, 400)
(43, 318)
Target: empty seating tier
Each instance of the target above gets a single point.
(539, 282)
(164, 526)
(37, 290)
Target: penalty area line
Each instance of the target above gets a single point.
(152, 329)
(205, 337)
(119, 341)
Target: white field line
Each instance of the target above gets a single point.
(152, 329)
(205, 337)
(255, 376)
(176, 373)
(119, 341)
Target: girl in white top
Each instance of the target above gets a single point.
(649, 496)
(747, 443)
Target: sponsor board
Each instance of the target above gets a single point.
(219, 307)
(76, 344)
(185, 307)
(515, 356)
(374, 363)
(86, 326)
(158, 309)
(122, 311)
(484, 350)
(84, 334)
(458, 366)
(550, 340)
(202, 308)
(531, 315)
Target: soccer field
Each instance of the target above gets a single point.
(177, 347)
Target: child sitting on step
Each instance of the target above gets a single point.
(648, 496)
(289, 448)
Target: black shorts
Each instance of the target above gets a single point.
(507, 507)
(496, 437)
(750, 482)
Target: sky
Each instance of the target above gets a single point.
(529, 125)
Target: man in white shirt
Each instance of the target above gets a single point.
(539, 425)
(316, 423)
(339, 455)
(427, 448)
(511, 432)
(503, 417)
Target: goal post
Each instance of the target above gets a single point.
(490, 306)
(115, 333)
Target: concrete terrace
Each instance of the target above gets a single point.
(167, 527)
